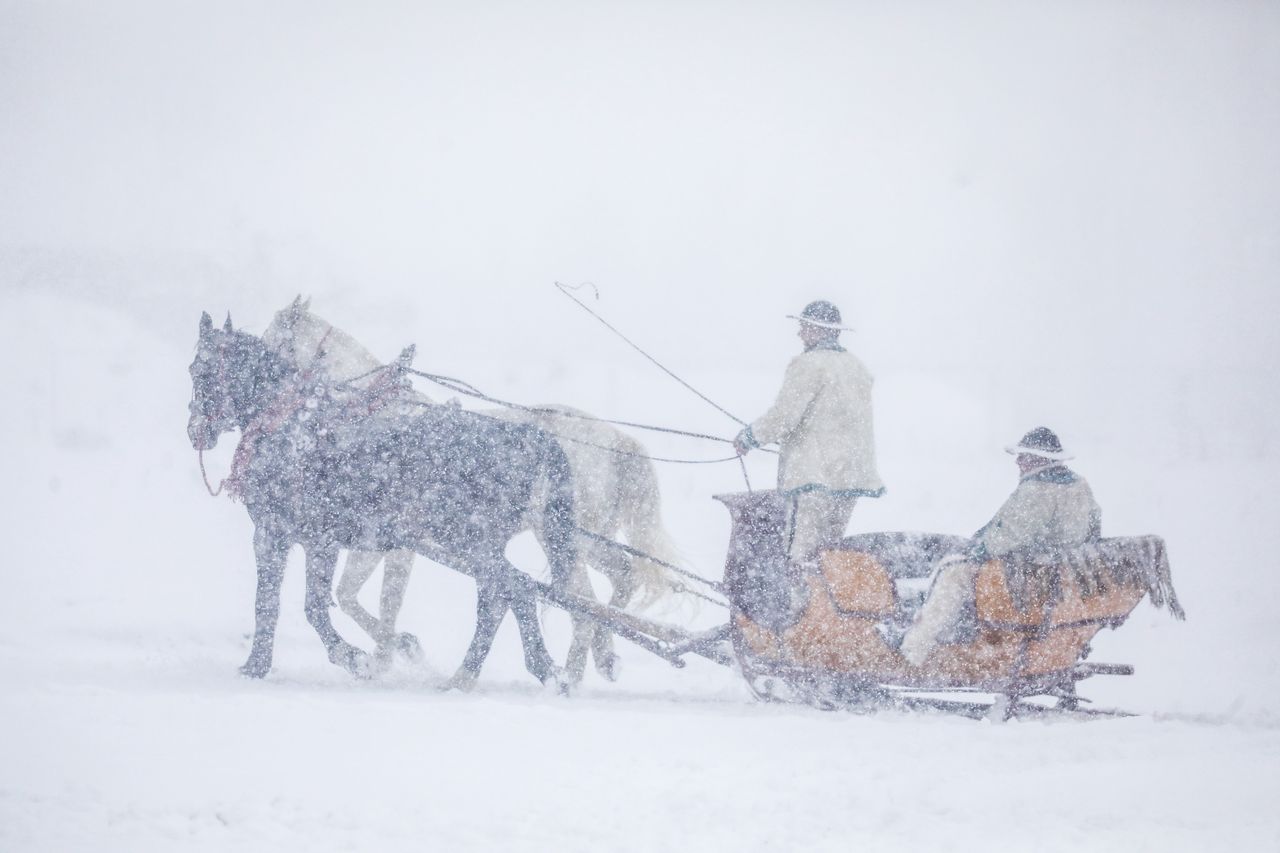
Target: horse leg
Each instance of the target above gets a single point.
(490, 608)
(271, 551)
(617, 567)
(395, 579)
(500, 585)
(321, 563)
(606, 660)
(584, 630)
(522, 597)
(355, 574)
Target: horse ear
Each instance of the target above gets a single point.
(226, 327)
(206, 323)
(306, 306)
(297, 302)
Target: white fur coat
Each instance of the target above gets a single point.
(822, 421)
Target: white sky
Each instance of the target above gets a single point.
(1073, 186)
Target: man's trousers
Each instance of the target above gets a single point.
(816, 519)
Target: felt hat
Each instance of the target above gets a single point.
(1042, 442)
(822, 314)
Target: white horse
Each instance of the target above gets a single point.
(615, 490)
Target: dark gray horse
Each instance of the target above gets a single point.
(328, 473)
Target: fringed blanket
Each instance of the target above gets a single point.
(1132, 562)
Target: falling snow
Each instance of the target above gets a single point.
(1030, 214)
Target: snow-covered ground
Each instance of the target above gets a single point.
(1032, 214)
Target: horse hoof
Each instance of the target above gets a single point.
(409, 647)
(363, 666)
(255, 669)
(558, 682)
(353, 660)
(381, 660)
(463, 680)
(608, 668)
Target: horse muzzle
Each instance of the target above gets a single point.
(202, 433)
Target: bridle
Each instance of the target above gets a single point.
(222, 414)
(279, 411)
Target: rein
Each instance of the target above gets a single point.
(205, 475)
(635, 455)
(461, 387)
(384, 388)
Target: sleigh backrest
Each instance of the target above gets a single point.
(860, 582)
(1056, 629)
(995, 604)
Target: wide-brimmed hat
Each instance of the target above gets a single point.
(822, 314)
(1042, 442)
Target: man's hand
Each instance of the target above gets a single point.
(741, 445)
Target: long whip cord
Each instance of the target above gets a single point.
(564, 288)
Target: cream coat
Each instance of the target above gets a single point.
(1052, 508)
(822, 421)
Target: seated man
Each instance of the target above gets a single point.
(1052, 508)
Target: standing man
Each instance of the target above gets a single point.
(822, 420)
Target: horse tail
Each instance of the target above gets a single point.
(559, 525)
(642, 524)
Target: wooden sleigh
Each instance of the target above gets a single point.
(828, 635)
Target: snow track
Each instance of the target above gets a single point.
(189, 757)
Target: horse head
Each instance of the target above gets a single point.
(293, 332)
(307, 341)
(233, 376)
